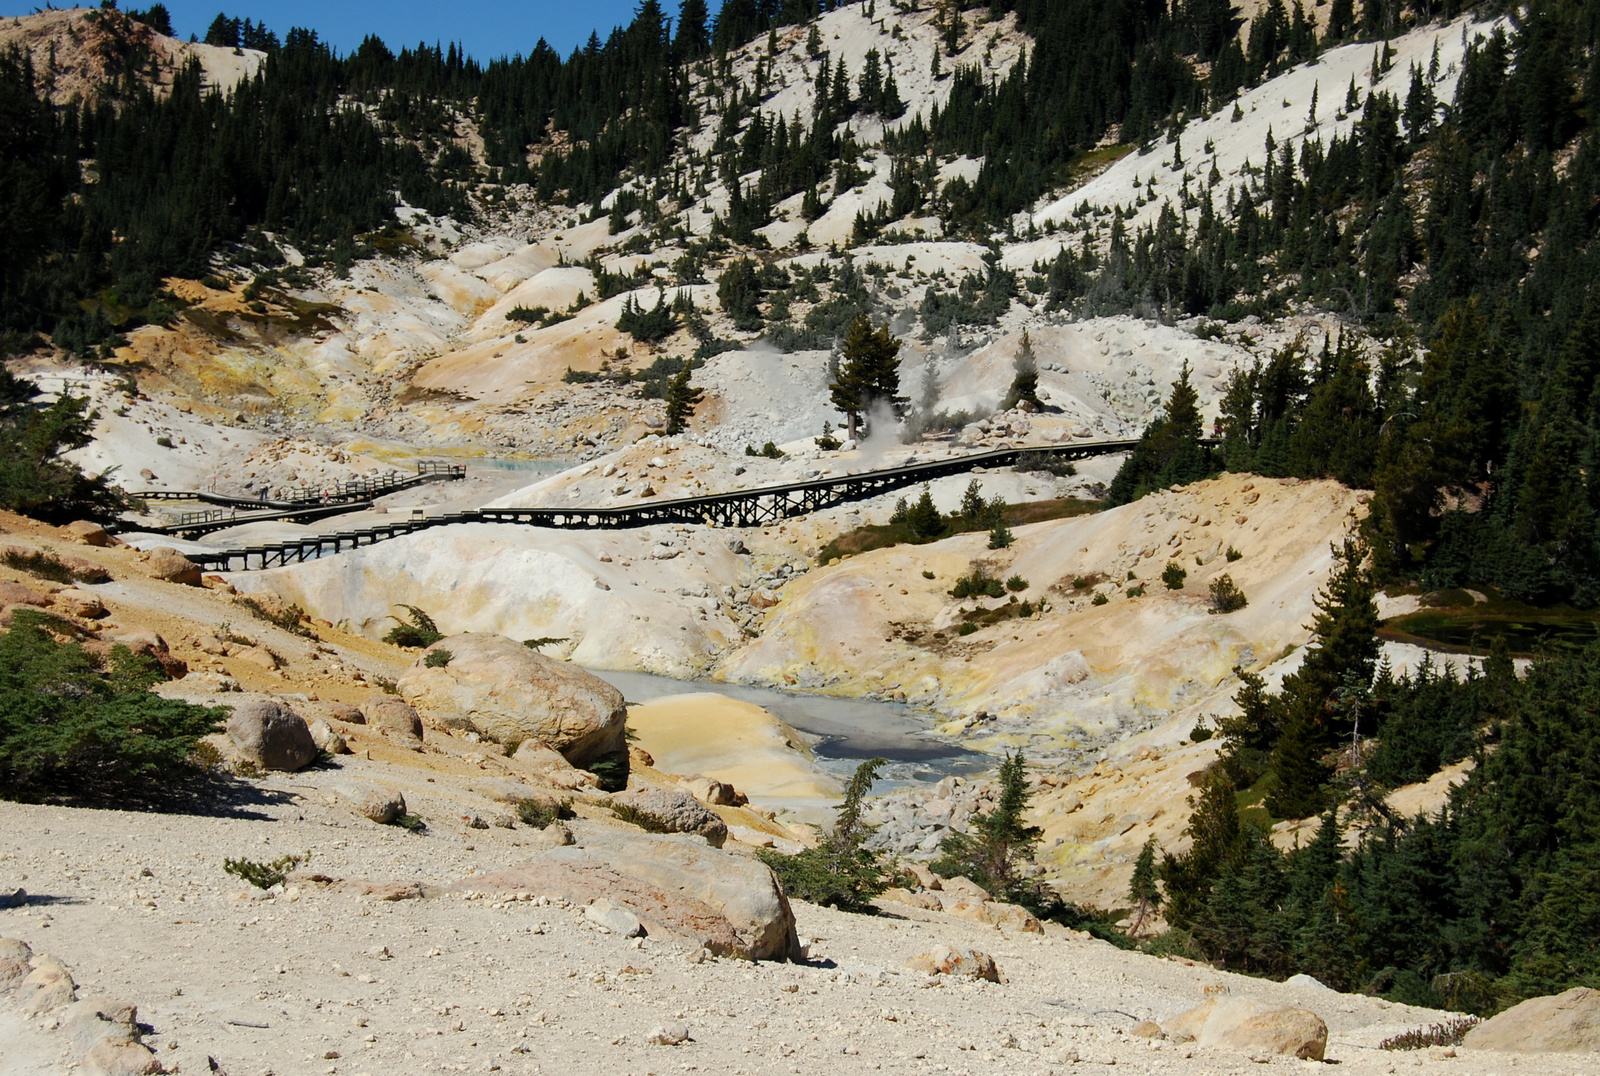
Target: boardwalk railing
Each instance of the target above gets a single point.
(743, 508)
(301, 504)
(354, 489)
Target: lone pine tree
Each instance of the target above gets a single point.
(869, 374)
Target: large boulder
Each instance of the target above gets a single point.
(672, 811)
(674, 885)
(1561, 1023)
(271, 735)
(510, 693)
(167, 564)
(1250, 1026)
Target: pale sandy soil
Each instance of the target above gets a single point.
(283, 985)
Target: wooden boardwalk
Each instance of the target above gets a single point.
(300, 505)
(743, 508)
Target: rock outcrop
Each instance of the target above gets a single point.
(674, 885)
(1561, 1023)
(509, 693)
(271, 735)
(1252, 1027)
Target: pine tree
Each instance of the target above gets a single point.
(1143, 892)
(682, 398)
(1025, 381)
(923, 518)
(999, 842)
(870, 373)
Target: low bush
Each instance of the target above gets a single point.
(40, 564)
(1449, 1033)
(262, 875)
(1233, 554)
(978, 585)
(1016, 584)
(1226, 597)
(539, 815)
(437, 659)
(1174, 575)
(634, 817)
(416, 631)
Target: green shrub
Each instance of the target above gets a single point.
(1136, 592)
(612, 771)
(1226, 597)
(1233, 554)
(769, 450)
(411, 822)
(634, 817)
(73, 723)
(927, 574)
(416, 632)
(437, 659)
(1099, 599)
(164, 442)
(1080, 583)
(539, 815)
(968, 628)
(1174, 575)
(262, 875)
(291, 619)
(978, 585)
(840, 872)
(1025, 610)
(1016, 584)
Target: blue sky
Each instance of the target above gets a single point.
(488, 28)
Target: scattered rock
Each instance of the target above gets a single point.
(676, 812)
(964, 887)
(508, 692)
(396, 715)
(326, 739)
(1250, 1026)
(86, 532)
(668, 1035)
(171, 566)
(613, 918)
(964, 963)
(1147, 1029)
(710, 791)
(48, 986)
(382, 805)
(1562, 1023)
(1306, 981)
(271, 735)
(926, 901)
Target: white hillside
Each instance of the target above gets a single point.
(1280, 107)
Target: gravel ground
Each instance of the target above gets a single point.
(326, 982)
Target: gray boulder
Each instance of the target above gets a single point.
(509, 693)
(271, 735)
(674, 811)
